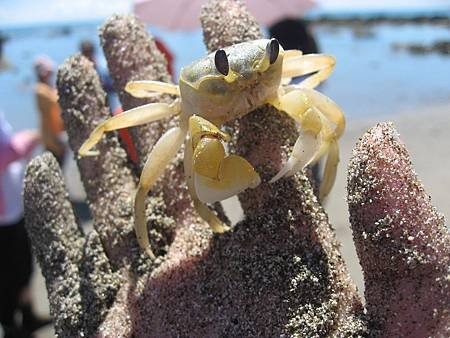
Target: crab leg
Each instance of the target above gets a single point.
(147, 89)
(163, 151)
(322, 102)
(133, 117)
(322, 122)
(291, 53)
(329, 174)
(309, 147)
(320, 64)
(305, 149)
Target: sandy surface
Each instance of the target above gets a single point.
(426, 136)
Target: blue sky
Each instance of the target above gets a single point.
(14, 12)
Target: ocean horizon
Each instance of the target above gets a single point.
(314, 13)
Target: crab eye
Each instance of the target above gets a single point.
(221, 62)
(272, 50)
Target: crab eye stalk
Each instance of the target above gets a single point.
(272, 50)
(221, 62)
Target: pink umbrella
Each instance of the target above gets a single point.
(184, 14)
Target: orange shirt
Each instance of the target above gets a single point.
(50, 113)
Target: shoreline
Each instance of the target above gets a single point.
(355, 19)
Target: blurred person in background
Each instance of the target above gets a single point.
(294, 34)
(4, 65)
(16, 263)
(167, 54)
(87, 49)
(52, 128)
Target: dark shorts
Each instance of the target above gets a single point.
(16, 264)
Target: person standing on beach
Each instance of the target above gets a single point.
(50, 112)
(4, 64)
(87, 49)
(294, 34)
(15, 252)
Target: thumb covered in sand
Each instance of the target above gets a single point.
(401, 240)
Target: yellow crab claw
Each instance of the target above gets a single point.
(234, 176)
(208, 156)
(216, 176)
(199, 127)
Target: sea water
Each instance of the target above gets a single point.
(371, 77)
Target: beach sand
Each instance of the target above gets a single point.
(426, 135)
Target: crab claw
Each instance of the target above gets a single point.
(217, 176)
(234, 176)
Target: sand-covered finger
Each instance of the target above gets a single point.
(401, 239)
(56, 240)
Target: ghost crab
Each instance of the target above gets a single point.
(223, 86)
